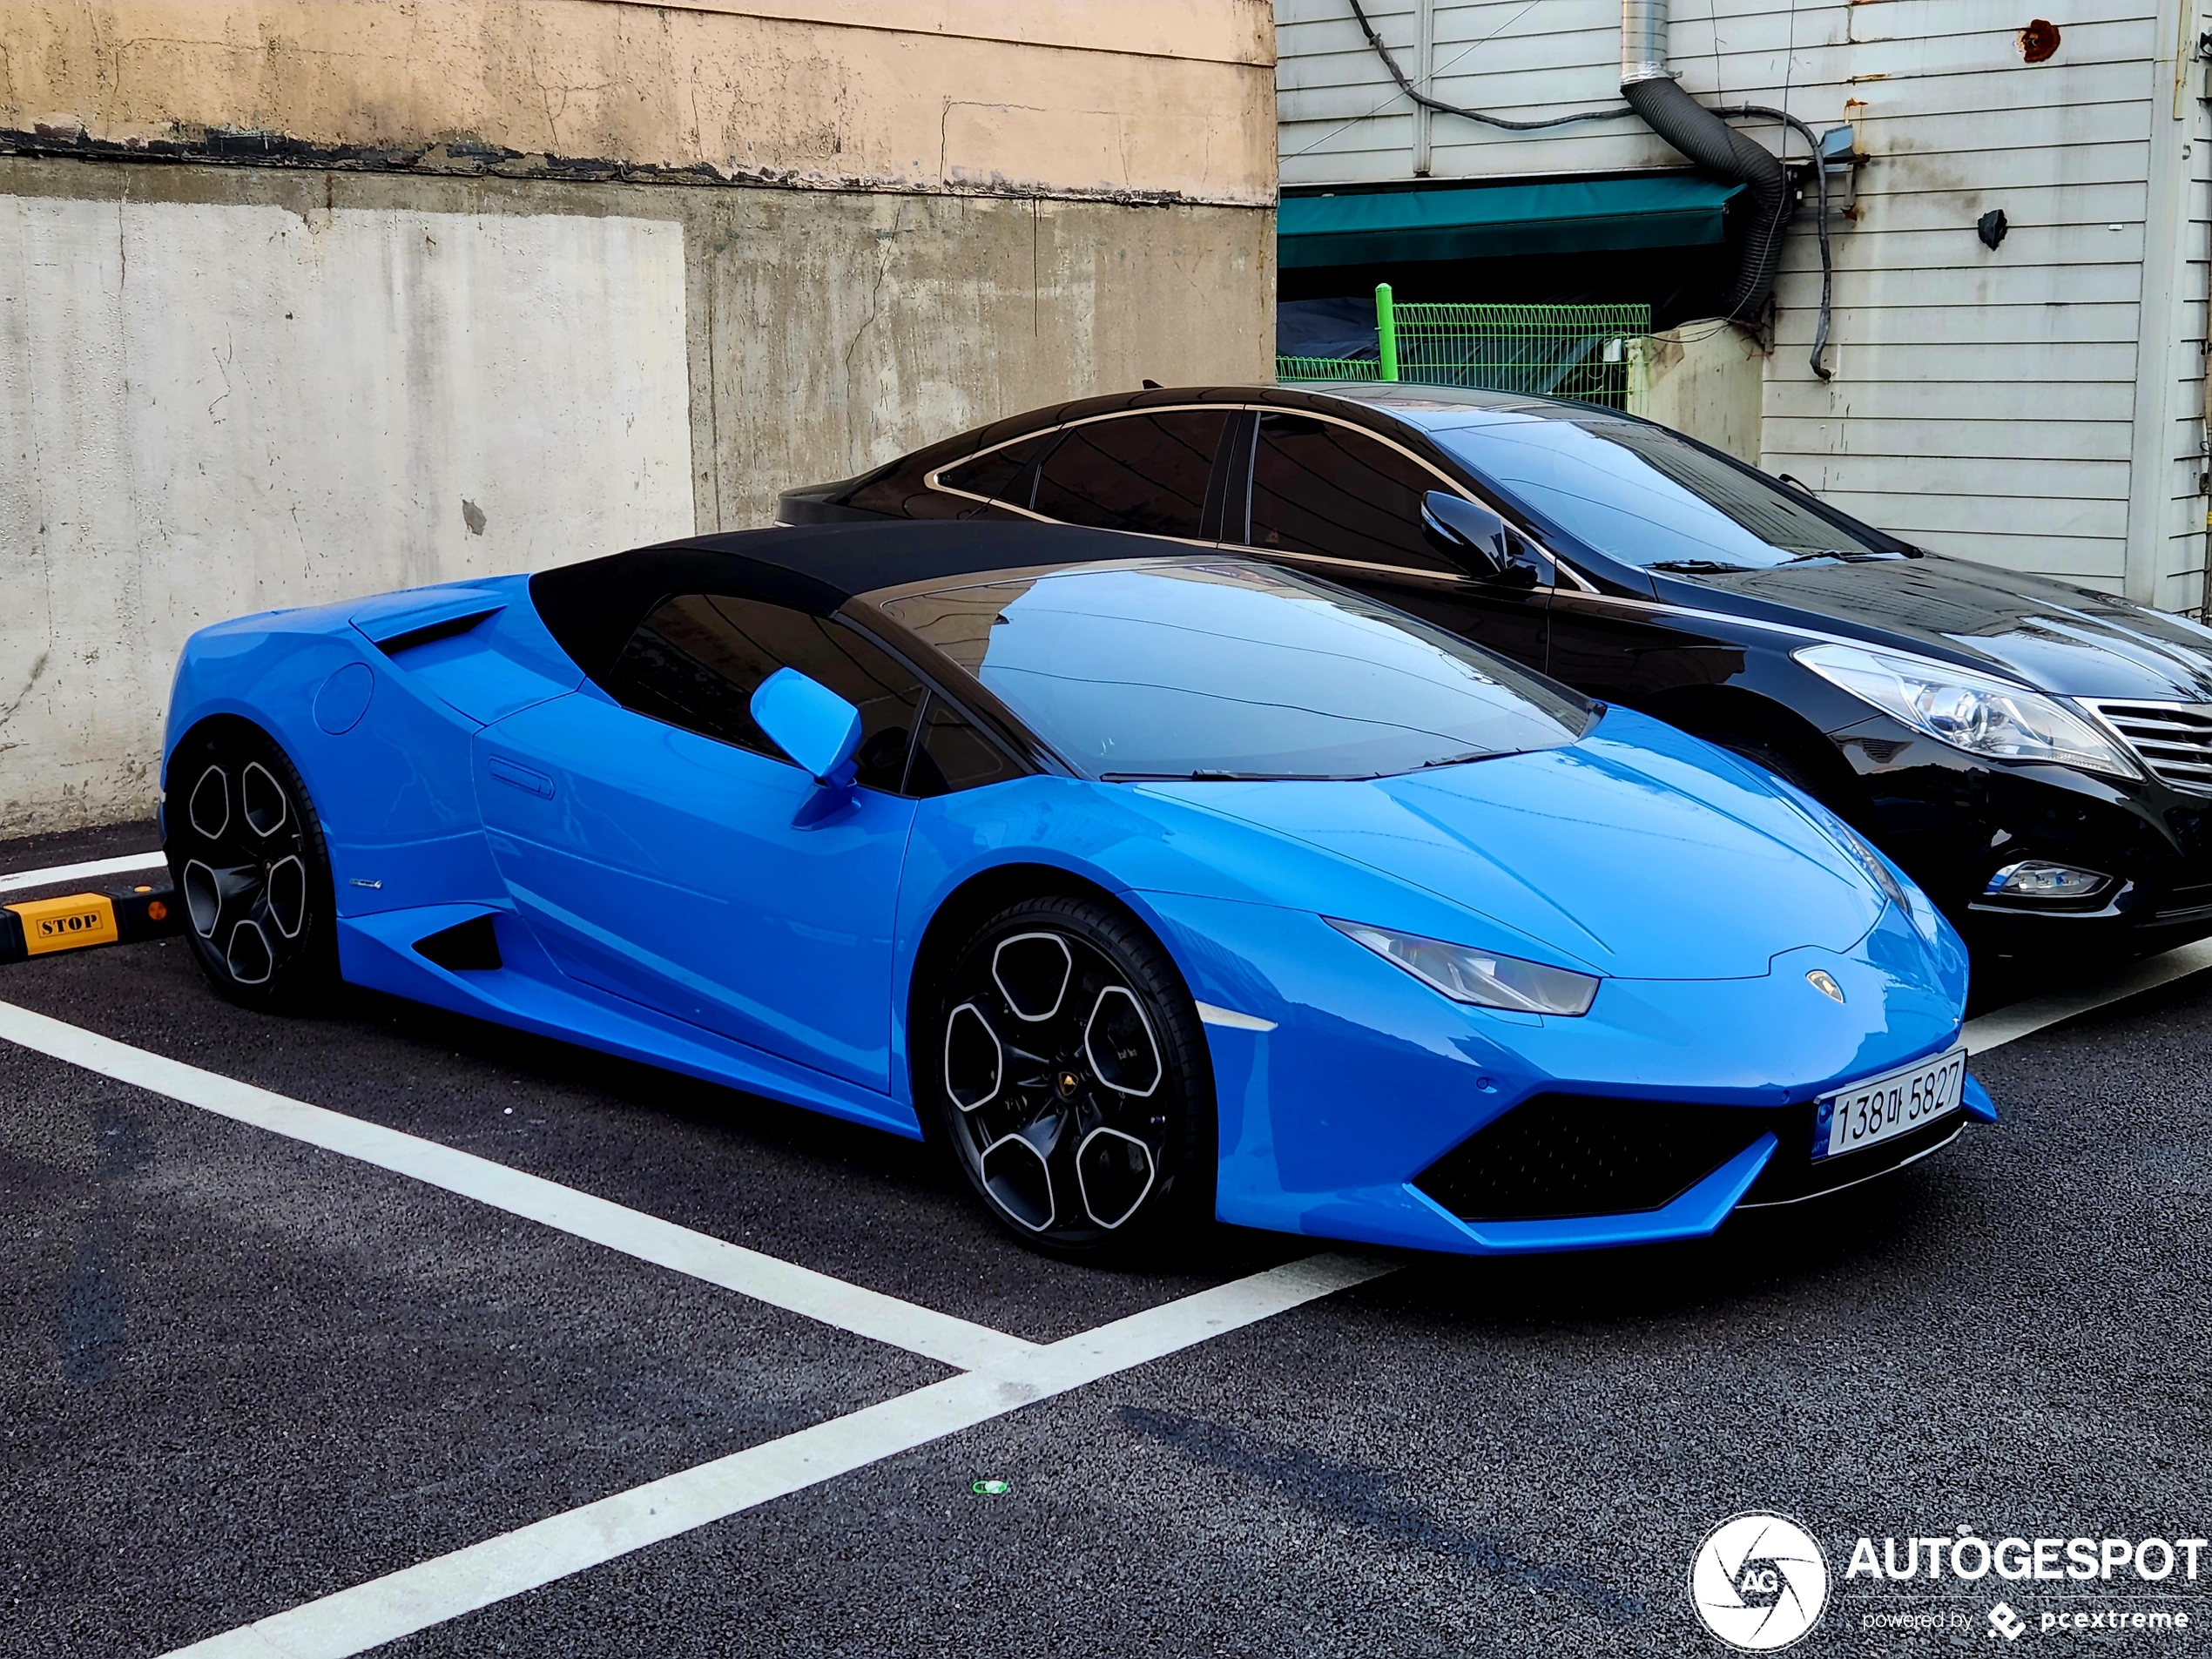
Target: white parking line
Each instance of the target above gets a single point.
(56, 875)
(783, 1284)
(431, 1592)
(2018, 1019)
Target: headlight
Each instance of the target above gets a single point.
(1912, 903)
(1976, 712)
(1481, 977)
(1877, 869)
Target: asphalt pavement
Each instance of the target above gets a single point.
(239, 1373)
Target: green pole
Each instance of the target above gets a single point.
(1386, 330)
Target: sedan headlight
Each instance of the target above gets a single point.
(1481, 977)
(1976, 712)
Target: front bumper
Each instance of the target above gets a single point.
(1563, 1172)
(1335, 1120)
(1951, 821)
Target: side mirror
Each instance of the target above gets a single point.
(1466, 532)
(810, 723)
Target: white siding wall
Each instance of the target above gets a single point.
(2184, 581)
(1984, 403)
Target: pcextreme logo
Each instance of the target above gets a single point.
(1759, 1582)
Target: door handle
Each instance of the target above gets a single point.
(534, 783)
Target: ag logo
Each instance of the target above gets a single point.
(1758, 1581)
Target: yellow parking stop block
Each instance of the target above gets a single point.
(67, 923)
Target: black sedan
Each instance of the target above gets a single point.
(2037, 756)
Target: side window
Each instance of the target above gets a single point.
(1135, 472)
(899, 492)
(1002, 475)
(952, 755)
(698, 659)
(1321, 488)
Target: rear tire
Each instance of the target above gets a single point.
(1067, 1069)
(245, 853)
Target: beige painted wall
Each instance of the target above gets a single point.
(1144, 98)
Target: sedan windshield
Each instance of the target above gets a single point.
(1203, 669)
(1642, 495)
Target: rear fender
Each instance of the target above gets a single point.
(392, 787)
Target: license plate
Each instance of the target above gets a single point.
(1879, 1108)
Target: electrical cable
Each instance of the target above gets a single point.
(1442, 108)
(1813, 143)
(1827, 259)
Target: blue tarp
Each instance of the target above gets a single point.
(1490, 221)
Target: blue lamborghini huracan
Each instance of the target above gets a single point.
(1158, 884)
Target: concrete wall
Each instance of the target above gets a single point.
(1703, 379)
(228, 387)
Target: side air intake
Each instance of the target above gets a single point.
(470, 945)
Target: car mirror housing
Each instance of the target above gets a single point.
(1466, 532)
(810, 723)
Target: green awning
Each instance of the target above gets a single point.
(1489, 222)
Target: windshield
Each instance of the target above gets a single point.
(1642, 495)
(1231, 669)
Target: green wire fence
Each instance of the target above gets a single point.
(1556, 351)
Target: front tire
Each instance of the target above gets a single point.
(246, 853)
(1070, 1077)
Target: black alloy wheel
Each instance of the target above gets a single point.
(1072, 1075)
(245, 853)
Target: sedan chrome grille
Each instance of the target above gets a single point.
(2173, 739)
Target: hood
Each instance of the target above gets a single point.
(2061, 638)
(1638, 851)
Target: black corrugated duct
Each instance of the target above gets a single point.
(1715, 147)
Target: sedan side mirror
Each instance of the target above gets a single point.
(1466, 532)
(810, 723)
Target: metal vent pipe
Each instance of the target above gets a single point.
(1717, 148)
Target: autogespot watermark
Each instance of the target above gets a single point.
(1761, 1583)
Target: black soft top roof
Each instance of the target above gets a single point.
(593, 607)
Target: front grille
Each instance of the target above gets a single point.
(2173, 739)
(2181, 905)
(1558, 1156)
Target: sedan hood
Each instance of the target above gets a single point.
(1638, 851)
(2061, 638)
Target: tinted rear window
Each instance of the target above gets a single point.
(1205, 668)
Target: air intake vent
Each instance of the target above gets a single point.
(1559, 1155)
(2173, 739)
(470, 945)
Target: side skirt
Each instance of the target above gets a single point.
(530, 993)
